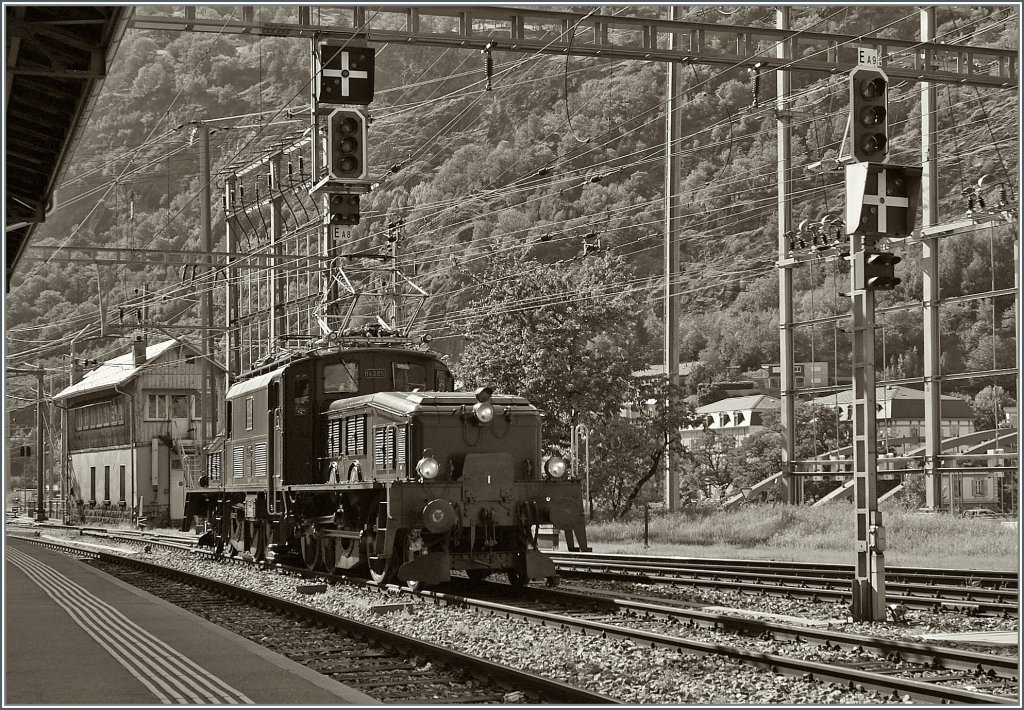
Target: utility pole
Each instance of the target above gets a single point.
(39, 374)
(394, 237)
(930, 281)
(784, 129)
(673, 133)
(206, 245)
(276, 282)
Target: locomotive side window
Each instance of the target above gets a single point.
(301, 394)
(341, 377)
(355, 435)
(409, 377)
(249, 408)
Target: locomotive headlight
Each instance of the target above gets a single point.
(483, 411)
(555, 467)
(427, 468)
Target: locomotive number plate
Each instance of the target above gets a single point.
(375, 373)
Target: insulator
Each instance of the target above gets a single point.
(1003, 195)
(981, 201)
(289, 169)
(488, 64)
(241, 192)
(301, 166)
(755, 88)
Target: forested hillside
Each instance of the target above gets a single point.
(561, 151)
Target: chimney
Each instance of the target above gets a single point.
(138, 351)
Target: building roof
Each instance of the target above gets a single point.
(685, 368)
(753, 402)
(57, 59)
(117, 371)
(903, 402)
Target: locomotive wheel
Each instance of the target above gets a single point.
(516, 578)
(311, 554)
(257, 537)
(327, 552)
(237, 538)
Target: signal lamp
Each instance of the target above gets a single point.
(346, 144)
(555, 467)
(868, 108)
(427, 467)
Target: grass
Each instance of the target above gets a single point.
(800, 534)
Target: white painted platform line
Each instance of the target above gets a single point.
(171, 676)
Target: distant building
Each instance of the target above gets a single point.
(736, 417)
(134, 425)
(899, 413)
(805, 375)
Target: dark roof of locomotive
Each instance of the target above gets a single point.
(347, 347)
(403, 403)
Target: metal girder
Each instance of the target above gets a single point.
(605, 36)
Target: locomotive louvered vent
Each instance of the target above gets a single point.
(334, 438)
(380, 441)
(236, 463)
(213, 466)
(355, 435)
(400, 447)
(259, 459)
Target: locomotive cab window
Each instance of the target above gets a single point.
(341, 377)
(443, 381)
(409, 377)
(301, 395)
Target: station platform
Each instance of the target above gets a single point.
(74, 635)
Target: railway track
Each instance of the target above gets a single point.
(926, 673)
(981, 593)
(390, 667)
(923, 672)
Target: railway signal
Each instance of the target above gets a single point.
(882, 200)
(343, 209)
(875, 271)
(346, 74)
(346, 144)
(869, 92)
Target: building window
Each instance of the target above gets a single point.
(979, 487)
(179, 406)
(92, 485)
(120, 475)
(250, 405)
(106, 484)
(156, 407)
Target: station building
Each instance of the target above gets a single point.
(134, 425)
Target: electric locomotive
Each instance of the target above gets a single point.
(363, 458)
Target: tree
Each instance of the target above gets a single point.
(989, 406)
(552, 333)
(629, 451)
